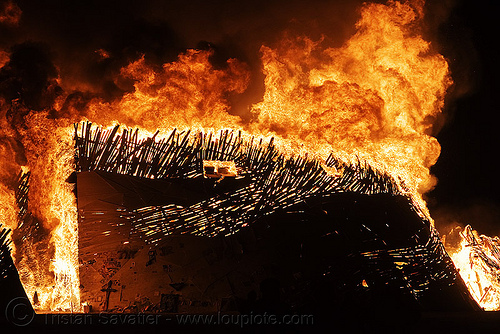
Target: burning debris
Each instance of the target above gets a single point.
(478, 262)
(219, 169)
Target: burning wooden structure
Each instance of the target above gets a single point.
(161, 232)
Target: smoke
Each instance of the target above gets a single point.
(76, 31)
(453, 37)
(10, 13)
(467, 191)
(27, 84)
(30, 77)
(91, 41)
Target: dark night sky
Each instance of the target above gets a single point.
(468, 186)
(465, 32)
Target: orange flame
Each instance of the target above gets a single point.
(374, 98)
(8, 169)
(478, 260)
(49, 151)
(189, 92)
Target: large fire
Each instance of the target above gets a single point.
(374, 98)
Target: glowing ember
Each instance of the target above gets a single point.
(214, 168)
(478, 261)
